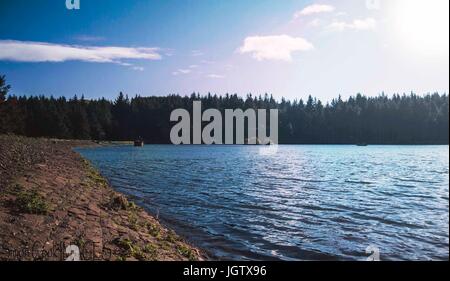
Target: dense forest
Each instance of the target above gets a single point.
(400, 119)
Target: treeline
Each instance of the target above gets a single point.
(400, 119)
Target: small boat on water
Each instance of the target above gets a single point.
(362, 144)
(139, 143)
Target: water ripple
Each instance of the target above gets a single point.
(302, 203)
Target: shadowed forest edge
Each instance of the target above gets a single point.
(400, 119)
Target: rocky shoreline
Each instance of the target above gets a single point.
(55, 206)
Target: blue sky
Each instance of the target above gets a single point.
(289, 48)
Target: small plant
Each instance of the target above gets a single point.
(31, 202)
(137, 253)
(125, 243)
(80, 242)
(93, 175)
(151, 250)
(132, 206)
(97, 178)
(133, 220)
(172, 237)
(154, 230)
(132, 249)
(186, 252)
(121, 258)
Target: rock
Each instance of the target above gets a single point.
(81, 214)
(93, 210)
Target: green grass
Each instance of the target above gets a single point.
(172, 237)
(134, 221)
(154, 230)
(94, 176)
(31, 202)
(151, 250)
(80, 242)
(121, 258)
(186, 252)
(132, 249)
(132, 206)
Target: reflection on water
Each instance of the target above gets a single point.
(302, 203)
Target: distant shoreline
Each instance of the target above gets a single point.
(405, 119)
(51, 197)
(118, 143)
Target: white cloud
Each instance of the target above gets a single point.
(357, 24)
(277, 47)
(196, 53)
(22, 51)
(182, 71)
(314, 9)
(215, 76)
(315, 23)
(208, 62)
(168, 52)
(193, 66)
(138, 68)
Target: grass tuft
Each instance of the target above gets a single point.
(132, 249)
(172, 236)
(186, 252)
(134, 221)
(152, 251)
(31, 202)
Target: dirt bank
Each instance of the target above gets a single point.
(51, 198)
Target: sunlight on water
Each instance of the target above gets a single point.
(302, 203)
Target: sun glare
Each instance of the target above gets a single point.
(422, 26)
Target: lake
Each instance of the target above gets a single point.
(301, 202)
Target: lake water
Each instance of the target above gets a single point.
(299, 203)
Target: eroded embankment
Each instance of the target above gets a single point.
(51, 198)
